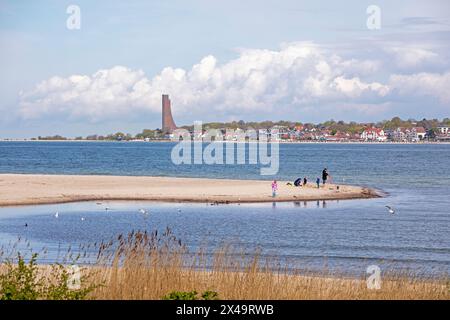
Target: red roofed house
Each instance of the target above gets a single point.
(417, 134)
(373, 134)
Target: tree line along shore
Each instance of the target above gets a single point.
(394, 130)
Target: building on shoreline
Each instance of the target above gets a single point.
(373, 134)
(168, 125)
(414, 134)
(443, 134)
(443, 129)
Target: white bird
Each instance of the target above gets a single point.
(143, 211)
(82, 218)
(390, 209)
(56, 214)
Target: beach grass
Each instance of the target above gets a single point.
(150, 266)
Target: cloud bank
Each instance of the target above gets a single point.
(298, 75)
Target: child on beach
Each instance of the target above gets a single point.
(274, 188)
(318, 182)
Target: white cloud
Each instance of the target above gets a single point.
(105, 93)
(423, 84)
(296, 76)
(355, 87)
(407, 57)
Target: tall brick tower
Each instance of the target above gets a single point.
(168, 125)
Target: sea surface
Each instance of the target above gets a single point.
(345, 236)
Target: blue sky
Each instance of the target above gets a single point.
(219, 60)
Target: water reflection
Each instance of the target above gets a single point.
(349, 233)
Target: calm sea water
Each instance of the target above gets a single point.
(339, 235)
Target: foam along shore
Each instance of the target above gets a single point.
(29, 189)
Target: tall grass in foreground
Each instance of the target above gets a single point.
(151, 266)
(145, 266)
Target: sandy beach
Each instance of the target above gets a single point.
(28, 189)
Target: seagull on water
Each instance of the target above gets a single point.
(390, 209)
(143, 211)
(82, 218)
(56, 214)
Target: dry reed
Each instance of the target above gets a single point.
(145, 266)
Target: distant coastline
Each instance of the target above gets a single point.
(395, 130)
(281, 141)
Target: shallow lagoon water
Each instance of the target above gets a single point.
(312, 235)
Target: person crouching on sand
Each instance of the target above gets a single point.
(274, 188)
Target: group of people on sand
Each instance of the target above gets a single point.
(302, 182)
(299, 182)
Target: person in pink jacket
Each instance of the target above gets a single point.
(274, 188)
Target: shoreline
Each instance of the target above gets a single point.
(36, 189)
(281, 142)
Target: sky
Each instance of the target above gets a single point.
(307, 61)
